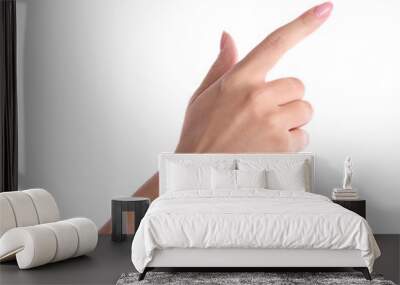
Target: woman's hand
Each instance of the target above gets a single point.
(236, 110)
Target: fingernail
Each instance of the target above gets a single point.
(323, 10)
(223, 40)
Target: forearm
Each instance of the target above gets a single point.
(149, 189)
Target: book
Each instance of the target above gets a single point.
(346, 197)
(341, 190)
(345, 194)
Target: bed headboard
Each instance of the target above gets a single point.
(212, 158)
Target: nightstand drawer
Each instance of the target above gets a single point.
(357, 206)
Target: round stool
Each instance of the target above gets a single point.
(122, 209)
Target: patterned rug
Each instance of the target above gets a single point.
(269, 278)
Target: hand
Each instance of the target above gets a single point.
(235, 110)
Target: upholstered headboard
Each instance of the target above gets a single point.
(246, 160)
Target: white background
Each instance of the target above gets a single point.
(103, 86)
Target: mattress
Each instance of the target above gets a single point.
(250, 219)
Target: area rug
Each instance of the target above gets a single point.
(268, 278)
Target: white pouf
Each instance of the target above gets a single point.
(37, 245)
(32, 233)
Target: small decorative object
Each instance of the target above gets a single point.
(127, 212)
(346, 192)
(348, 173)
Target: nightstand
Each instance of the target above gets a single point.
(357, 206)
(126, 214)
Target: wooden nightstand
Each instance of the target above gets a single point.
(357, 206)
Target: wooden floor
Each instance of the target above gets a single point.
(110, 260)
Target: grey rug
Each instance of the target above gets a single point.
(269, 278)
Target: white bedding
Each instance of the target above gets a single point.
(250, 218)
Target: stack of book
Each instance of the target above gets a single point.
(344, 194)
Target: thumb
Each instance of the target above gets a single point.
(226, 59)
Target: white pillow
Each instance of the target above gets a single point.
(293, 179)
(223, 179)
(251, 178)
(287, 174)
(182, 177)
(237, 179)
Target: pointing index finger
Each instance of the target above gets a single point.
(265, 55)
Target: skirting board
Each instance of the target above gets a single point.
(229, 257)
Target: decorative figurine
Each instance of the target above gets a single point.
(348, 173)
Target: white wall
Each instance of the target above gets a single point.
(104, 84)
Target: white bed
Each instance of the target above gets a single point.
(201, 220)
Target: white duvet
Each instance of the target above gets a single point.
(250, 219)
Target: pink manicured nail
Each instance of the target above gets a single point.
(223, 40)
(323, 10)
